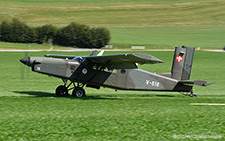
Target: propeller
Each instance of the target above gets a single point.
(24, 69)
(26, 61)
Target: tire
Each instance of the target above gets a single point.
(61, 91)
(79, 92)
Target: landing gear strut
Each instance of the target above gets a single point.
(63, 90)
(192, 94)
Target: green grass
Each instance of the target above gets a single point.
(204, 37)
(154, 24)
(116, 13)
(21, 46)
(30, 110)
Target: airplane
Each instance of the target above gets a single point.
(119, 72)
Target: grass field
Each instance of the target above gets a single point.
(204, 37)
(154, 24)
(30, 110)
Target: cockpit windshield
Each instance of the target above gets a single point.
(79, 59)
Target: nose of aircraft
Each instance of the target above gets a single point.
(26, 61)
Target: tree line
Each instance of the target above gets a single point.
(74, 34)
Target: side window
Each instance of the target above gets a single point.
(106, 69)
(95, 67)
(123, 71)
(111, 70)
(79, 59)
(114, 70)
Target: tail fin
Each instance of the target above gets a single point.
(182, 63)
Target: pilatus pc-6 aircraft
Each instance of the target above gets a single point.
(116, 71)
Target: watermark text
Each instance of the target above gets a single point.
(197, 136)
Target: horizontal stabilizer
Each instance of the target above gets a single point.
(199, 83)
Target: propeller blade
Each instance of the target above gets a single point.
(25, 61)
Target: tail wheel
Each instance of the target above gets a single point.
(61, 91)
(79, 92)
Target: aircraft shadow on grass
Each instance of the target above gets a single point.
(109, 97)
(138, 95)
(46, 94)
(35, 93)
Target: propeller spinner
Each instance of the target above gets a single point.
(26, 61)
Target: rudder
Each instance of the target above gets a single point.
(182, 63)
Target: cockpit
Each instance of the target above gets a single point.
(79, 59)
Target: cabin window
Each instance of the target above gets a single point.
(114, 71)
(106, 69)
(123, 71)
(95, 67)
(110, 70)
(79, 59)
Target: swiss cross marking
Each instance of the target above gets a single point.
(179, 58)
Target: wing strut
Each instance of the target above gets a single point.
(101, 53)
(104, 65)
(93, 53)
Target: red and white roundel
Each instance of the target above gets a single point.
(179, 58)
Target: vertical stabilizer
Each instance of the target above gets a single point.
(182, 63)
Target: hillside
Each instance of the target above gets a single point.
(151, 23)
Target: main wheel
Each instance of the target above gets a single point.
(192, 95)
(79, 92)
(61, 91)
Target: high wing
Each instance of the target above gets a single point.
(124, 61)
(119, 61)
(60, 56)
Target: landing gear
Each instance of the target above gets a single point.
(63, 90)
(78, 92)
(192, 94)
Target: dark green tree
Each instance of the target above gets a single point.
(72, 35)
(5, 31)
(82, 36)
(17, 31)
(100, 37)
(45, 33)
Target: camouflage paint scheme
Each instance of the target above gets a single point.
(119, 71)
